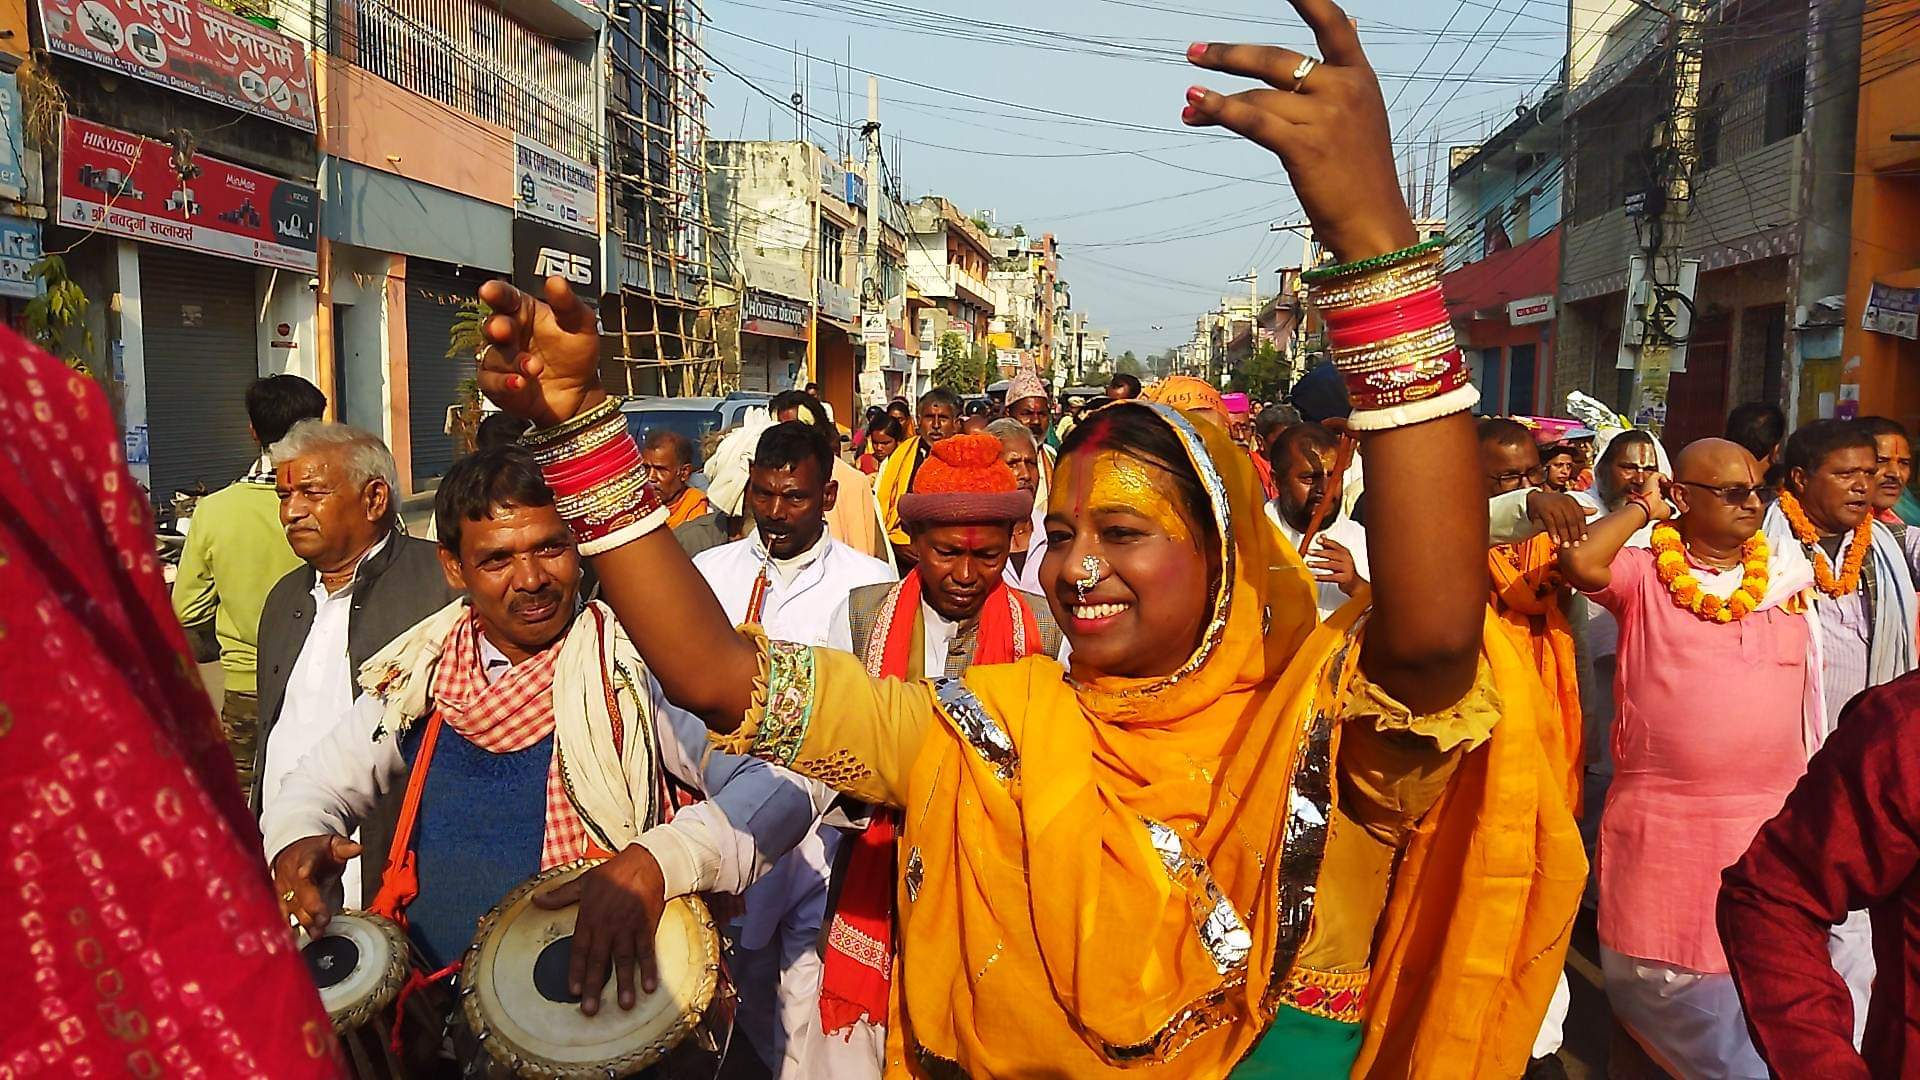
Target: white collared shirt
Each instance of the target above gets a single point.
(320, 691)
(799, 607)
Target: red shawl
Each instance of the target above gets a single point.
(141, 936)
(859, 960)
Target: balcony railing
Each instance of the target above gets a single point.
(471, 57)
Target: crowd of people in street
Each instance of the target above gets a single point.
(1174, 732)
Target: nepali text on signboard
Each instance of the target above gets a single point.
(191, 47)
(541, 251)
(554, 187)
(1892, 310)
(19, 250)
(112, 181)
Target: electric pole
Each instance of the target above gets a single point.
(1661, 311)
(873, 286)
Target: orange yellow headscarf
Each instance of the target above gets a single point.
(1082, 873)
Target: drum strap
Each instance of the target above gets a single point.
(400, 882)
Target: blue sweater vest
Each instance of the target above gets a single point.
(481, 822)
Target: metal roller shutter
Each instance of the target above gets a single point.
(202, 351)
(434, 295)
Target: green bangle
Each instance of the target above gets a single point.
(1378, 262)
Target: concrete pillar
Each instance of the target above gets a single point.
(399, 425)
(132, 365)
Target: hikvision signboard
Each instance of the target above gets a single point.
(116, 182)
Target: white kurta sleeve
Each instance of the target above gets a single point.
(754, 812)
(1507, 520)
(338, 782)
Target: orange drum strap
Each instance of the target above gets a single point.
(400, 882)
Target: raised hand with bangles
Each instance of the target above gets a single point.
(1119, 864)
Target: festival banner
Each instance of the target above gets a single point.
(191, 47)
(116, 182)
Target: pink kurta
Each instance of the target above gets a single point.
(1708, 738)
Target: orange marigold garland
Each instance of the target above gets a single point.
(1809, 537)
(1670, 558)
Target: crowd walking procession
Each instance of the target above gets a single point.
(1348, 723)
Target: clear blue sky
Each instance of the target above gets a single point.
(1063, 115)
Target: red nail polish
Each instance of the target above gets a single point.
(514, 382)
(1188, 115)
(1196, 94)
(1196, 50)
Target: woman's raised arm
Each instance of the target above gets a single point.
(1426, 506)
(543, 362)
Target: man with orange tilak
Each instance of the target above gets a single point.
(954, 610)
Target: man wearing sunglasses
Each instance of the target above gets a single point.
(1710, 734)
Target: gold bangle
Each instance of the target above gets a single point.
(580, 421)
(1395, 351)
(1390, 284)
(583, 442)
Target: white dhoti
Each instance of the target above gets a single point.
(777, 968)
(1691, 1022)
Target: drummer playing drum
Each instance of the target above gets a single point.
(526, 733)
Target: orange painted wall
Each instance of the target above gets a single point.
(368, 120)
(1886, 206)
(13, 27)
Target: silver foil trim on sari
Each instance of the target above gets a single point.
(1222, 932)
(1304, 832)
(975, 724)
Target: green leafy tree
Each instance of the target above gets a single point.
(957, 369)
(1129, 364)
(58, 315)
(1263, 377)
(464, 342)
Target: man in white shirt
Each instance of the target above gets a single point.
(470, 712)
(363, 584)
(1303, 459)
(790, 577)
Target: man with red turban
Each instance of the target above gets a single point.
(952, 611)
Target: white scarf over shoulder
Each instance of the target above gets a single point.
(603, 730)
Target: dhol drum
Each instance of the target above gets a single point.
(514, 989)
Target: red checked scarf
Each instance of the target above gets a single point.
(512, 713)
(859, 960)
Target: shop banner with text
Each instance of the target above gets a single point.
(192, 47)
(116, 182)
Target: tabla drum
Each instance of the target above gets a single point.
(359, 962)
(514, 989)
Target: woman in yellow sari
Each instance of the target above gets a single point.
(1226, 841)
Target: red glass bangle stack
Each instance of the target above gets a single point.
(599, 484)
(1391, 338)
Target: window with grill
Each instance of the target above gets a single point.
(832, 239)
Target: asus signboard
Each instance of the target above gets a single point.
(541, 251)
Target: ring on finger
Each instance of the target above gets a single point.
(1307, 64)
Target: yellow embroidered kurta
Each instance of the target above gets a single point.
(1102, 873)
